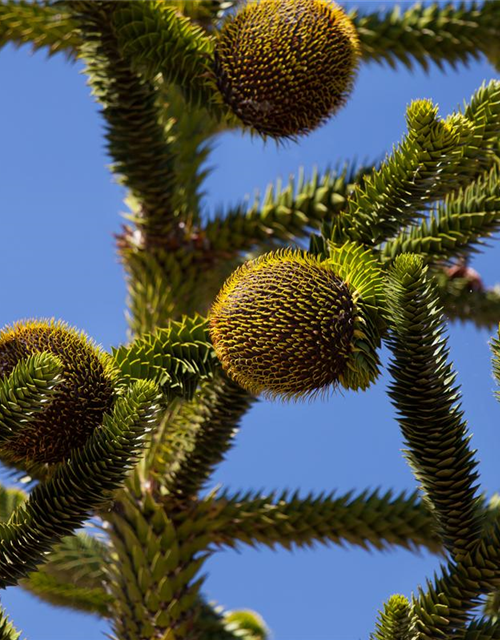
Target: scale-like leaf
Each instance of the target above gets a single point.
(177, 357)
(458, 225)
(427, 403)
(436, 158)
(160, 40)
(56, 508)
(430, 33)
(394, 620)
(39, 24)
(197, 436)
(26, 391)
(369, 519)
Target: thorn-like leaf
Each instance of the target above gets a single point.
(26, 391)
(427, 403)
(56, 508)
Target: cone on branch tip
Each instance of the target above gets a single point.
(288, 325)
(82, 398)
(285, 66)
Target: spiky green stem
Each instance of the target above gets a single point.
(42, 26)
(463, 301)
(153, 570)
(429, 33)
(436, 158)
(7, 629)
(367, 520)
(429, 415)
(160, 40)
(137, 141)
(458, 226)
(482, 630)
(177, 357)
(74, 576)
(25, 392)
(84, 482)
(394, 620)
(286, 212)
(196, 438)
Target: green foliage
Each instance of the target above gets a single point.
(150, 66)
(66, 594)
(368, 520)
(458, 224)
(175, 357)
(77, 404)
(166, 284)
(444, 609)
(463, 300)
(137, 141)
(495, 346)
(426, 33)
(7, 630)
(55, 508)
(25, 392)
(170, 557)
(74, 575)
(285, 213)
(160, 40)
(483, 629)
(427, 404)
(436, 158)
(393, 620)
(249, 622)
(191, 130)
(214, 624)
(358, 267)
(195, 436)
(10, 499)
(37, 24)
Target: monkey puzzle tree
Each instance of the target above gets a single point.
(132, 436)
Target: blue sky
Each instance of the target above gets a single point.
(60, 208)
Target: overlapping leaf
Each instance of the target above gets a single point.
(177, 357)
(369, 519)
(26, 391)
(38, 24)
(427, 403)
(430, 33)
(436, 158)
(55, 508)
(458, 226)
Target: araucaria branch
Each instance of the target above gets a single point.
(226, 307)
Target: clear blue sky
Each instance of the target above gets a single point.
(60, 207)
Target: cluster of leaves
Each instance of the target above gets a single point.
(434, 199)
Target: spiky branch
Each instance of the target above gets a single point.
(56, 508)
(458, 226)
(430, 418)
(137, 140)
(367, 520)
(435, 158)
(425, 34)
(37, 24)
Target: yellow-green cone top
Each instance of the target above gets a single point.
(285, 66)
(81, 399)
(283, 324)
